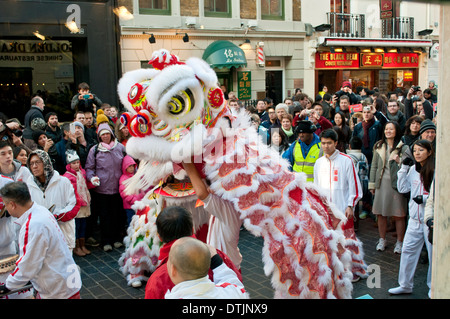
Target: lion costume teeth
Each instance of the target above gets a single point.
(305, 249)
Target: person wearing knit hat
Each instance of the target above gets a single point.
(428, 131)
(101, 117)
(104, 169)
(71, 156)
(79, 124)
(346, 89)
(77, 176)
(346, 84)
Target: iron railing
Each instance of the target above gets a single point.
(347, 25)
(398, 28)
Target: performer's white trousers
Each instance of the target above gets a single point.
(416, 234)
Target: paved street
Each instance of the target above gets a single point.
(103, 280)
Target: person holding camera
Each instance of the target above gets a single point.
(84, 100)
(415, 176)
(415, 94)
(346, 90)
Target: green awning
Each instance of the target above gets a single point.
(224, 54)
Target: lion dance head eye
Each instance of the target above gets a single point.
(181, 102)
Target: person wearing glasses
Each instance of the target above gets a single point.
(55, 192)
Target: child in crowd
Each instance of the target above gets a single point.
(362, 168)
(77, 176)
(84, 100)
(113, 112)
(128, 170)
(106, 109)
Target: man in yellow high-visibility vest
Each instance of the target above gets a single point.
(304, 152)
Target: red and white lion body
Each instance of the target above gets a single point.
(177, 113)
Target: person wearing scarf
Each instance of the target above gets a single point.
(53, 191)
(104, 169)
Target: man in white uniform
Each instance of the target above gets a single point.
(44, 257)
(336, 174)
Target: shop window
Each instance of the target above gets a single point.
(272, 9)
(161, 7)
(340, 6)
(217, 8)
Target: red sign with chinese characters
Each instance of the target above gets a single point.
(401, 60)
(371, 60)
(386, 9)
(328, 60)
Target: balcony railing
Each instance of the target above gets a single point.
(398, 28)
(347, 25)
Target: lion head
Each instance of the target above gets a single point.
(166, 104)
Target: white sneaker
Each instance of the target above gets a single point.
(118, 244)
(398, 247)
(381, 244)
(399, 291)
(136, 284)
(107, 248)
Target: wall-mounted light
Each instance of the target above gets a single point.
(123, 13)
(368, 50)
(186, 38)
(72, 26)
(245, 45)
(425, 32)
(152, 38)
(322, 27)
(379, 50)
(38, 35)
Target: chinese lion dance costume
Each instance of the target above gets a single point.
(176, 112)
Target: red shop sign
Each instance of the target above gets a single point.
(371, 59)
(386, 9)
(401, 60)
(328, 60)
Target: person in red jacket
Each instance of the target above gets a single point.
(77, 176)
(173, 223)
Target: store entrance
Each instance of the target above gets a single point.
(274, 86)
(15, 91)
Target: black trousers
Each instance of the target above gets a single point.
(111, 215)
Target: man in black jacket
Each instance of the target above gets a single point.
(36, 110)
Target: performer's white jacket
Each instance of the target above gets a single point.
(409, 180)
(339, 179)
(226, 285)
(224, 227)
(44, 258)
(59, 192)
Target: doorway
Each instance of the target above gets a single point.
(15, 91)
(274, 86)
